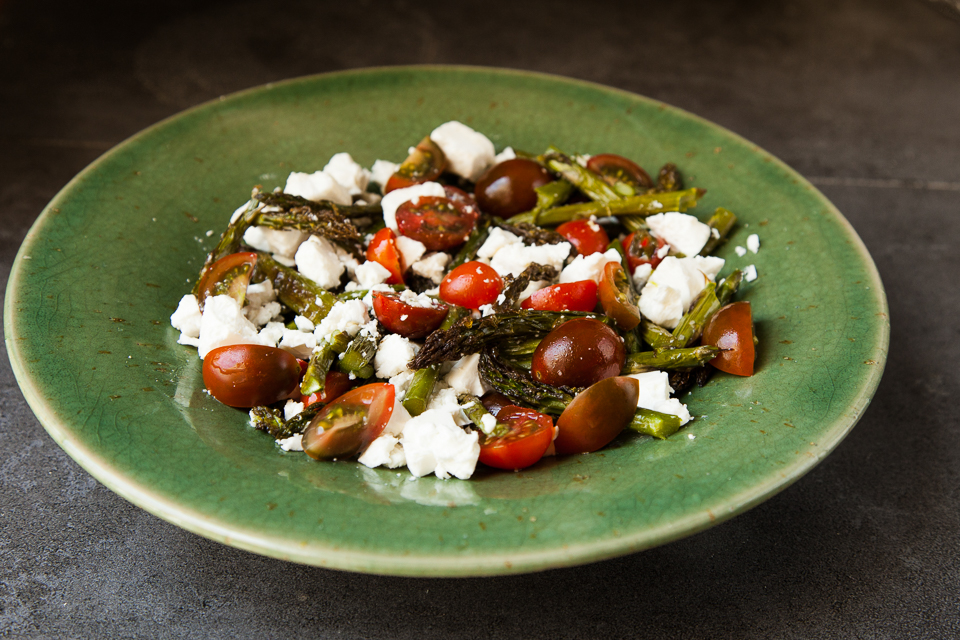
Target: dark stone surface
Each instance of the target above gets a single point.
(861, 96)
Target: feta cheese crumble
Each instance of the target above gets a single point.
(673, 287)
(317, 259)
(588, 267)
(681, 231)
(433, 443)
(317, 186)
(750, 273)
(655, 393)
(432, 266)
(469, 153)
(753, 243)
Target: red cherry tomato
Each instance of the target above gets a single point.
(508, 188)
(383, 250)
(439, 223)
(335, 385)
(586, 236)
(529, 434)
(426, 163)
(613, 297)
(597, 415)
(570, 296)
(229, 275)
(731, 329)
(578, 353)
(250, 375)
(471, 285)
(348, 425)
(407, 320)
(645, 250)
(613, 168)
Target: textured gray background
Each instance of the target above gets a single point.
(860, 96)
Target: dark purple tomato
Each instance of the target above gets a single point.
(508, 188)
(597, 415)
(578, 353)
(250, 375)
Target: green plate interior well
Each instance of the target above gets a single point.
(87, 308)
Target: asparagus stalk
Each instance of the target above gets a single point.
(722, 221)
(474, 241)
(271, 420)
(653, 423)
(642, 205)
(295, 290)
(314, 378)
(729, 286)
(692, 323)
(357, 360)
(358, 294)
(549, 195)
(231, 239)
(521, 388)
(668, 359)
(592, 185)
(425, 379)
(475, 410)
(657, 336)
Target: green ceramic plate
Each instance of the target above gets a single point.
(87, 307)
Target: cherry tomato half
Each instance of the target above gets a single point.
(229, 275)
(335, 385)
(426, 163)
(471, 285)
(383, 250)
(407, 320)
(642, 250)
(348, 425)
(578, 353)
(570, 296)
(439, 223)
(613, 297)
(508, 188)
(250, 375)
(529, 434)
(597, 415)
(586, 236)
(613, 168)
(731, 329)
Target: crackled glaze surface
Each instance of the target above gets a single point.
(104, 266)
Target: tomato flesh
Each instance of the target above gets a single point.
(570, 296)
(613, 298)
(407, 320)
(229, 275)
(646, 250)
(731, 329)
(383, 250)
(471, 285)
(527, 439)
(425, 164)
(250, 375)
(348, 425)
(439, 223)
(613, 168)
(585, 235)
(597, 415)
(335, 385)
(509, 187)
(578, 353)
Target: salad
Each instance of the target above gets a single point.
(466, 306)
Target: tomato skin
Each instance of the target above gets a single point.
(613, 168)
(531, 433)
(613, 299)
(348, 425)
(250, 375)
(570, 296)
(471, 285)
(494, 401)
(407, 320)
(425, 164)
(229, 275)
(731, 329)
(335, 385)
(439, 223)
(597, 415)
(586, 236)
(507, 188)
(383, 250)
(578, 353)
(650, 248)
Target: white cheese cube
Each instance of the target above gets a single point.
(655, 393)
(496, 240)
(370, 274)
(282, 242)
(291, 409)
(588, 267)
(682, 231)
(671, 290)
(298, 343)
(271, 334)
(316, 186)
(186, 318)
(503, 156)
(348, 174)
(293, 443)
(740, 251)
(710, 265)
(433, 443)
(411, 250)
(469, 153)
(392, 201)
(465, 376)
(260, 293)
(513, 259)
(445, 399)
(385, 451)
(263, 314)
(348, 316)
(641, 274)
(347, 260)
(381, 171)
(750, 273)
(401, 382)
(753, 243)
(393, 354)
(222, 324)
(317, 259)
(432, 266)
